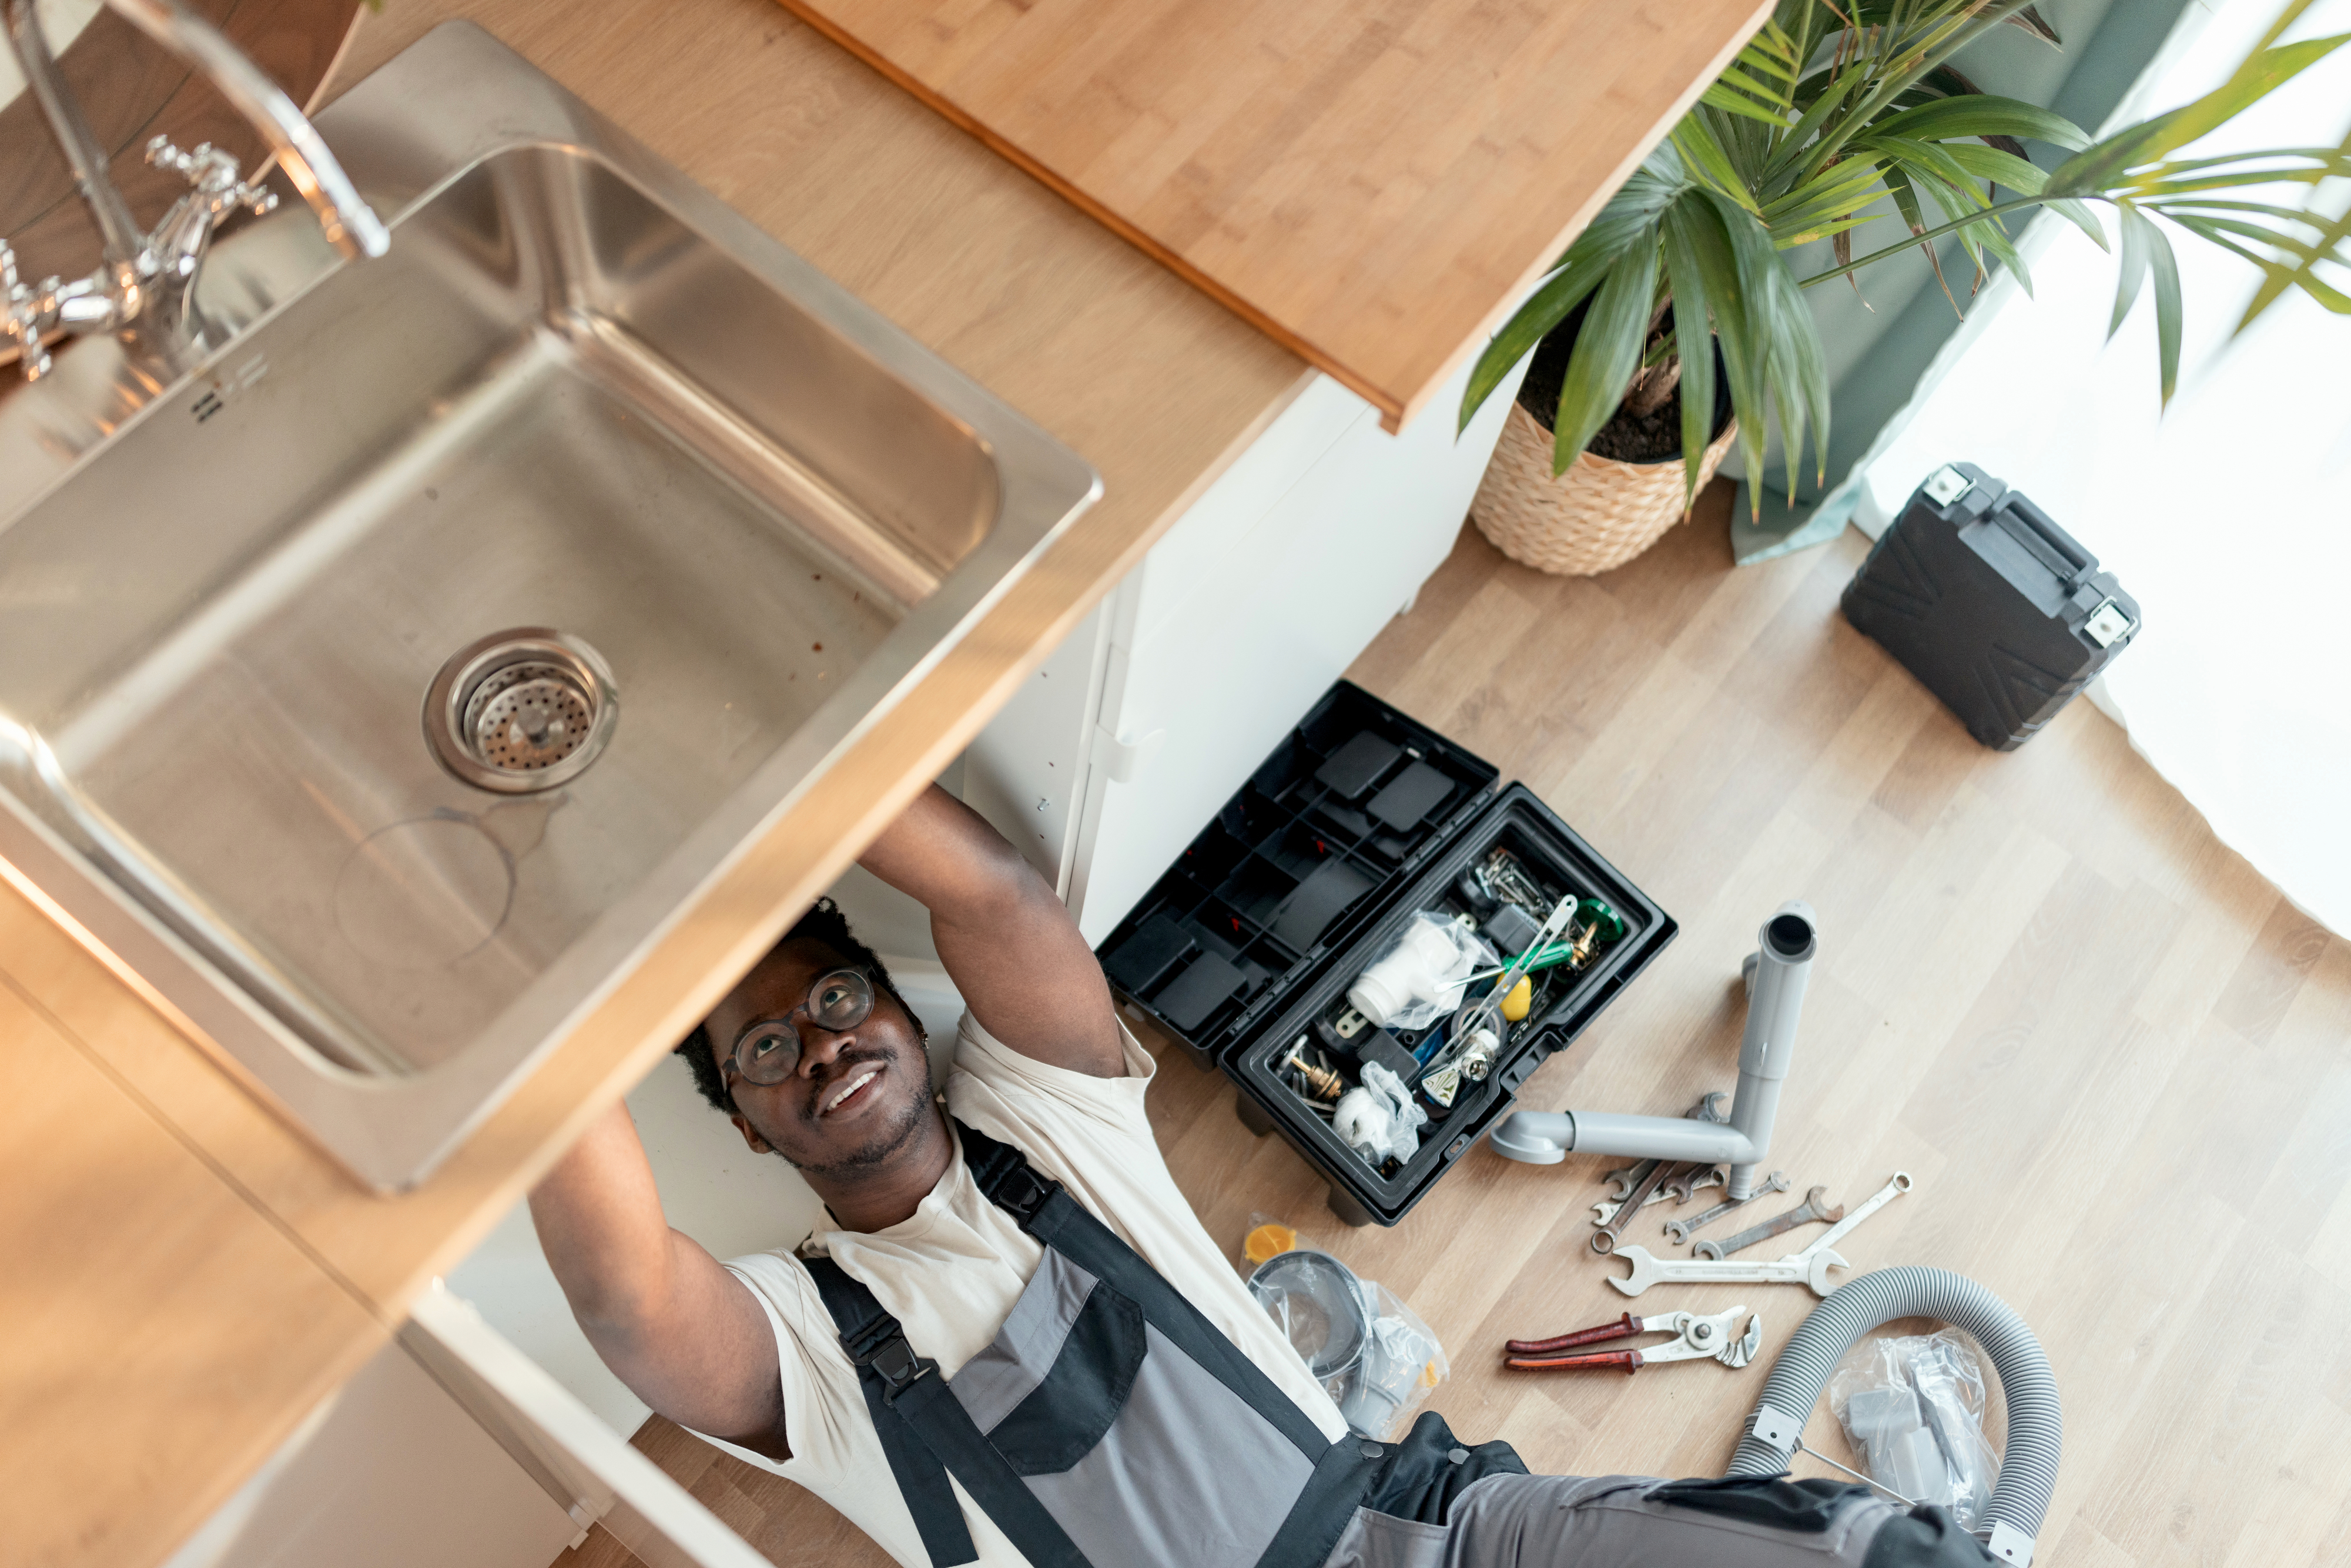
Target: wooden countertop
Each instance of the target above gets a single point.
(1371, 182)
(185, 1277)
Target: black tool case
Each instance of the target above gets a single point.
(1996, 609)
(1360, 818)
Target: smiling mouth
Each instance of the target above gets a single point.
(848, 1094)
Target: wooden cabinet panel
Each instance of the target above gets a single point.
(1369, 182)
(148, 1308)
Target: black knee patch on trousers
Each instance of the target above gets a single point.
(1926, 1537)
(1803, 1507)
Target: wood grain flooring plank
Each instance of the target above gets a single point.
(1928, 771)
(2224, 1401)
(2221, 918)
(2266, 981)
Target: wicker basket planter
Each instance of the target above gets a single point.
(1595, 517)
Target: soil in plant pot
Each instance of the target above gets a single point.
(1653, 437)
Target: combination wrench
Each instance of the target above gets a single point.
(1680, 1187)
(1811, 1267)
(1813, 1208)
(1604, 1212)
(1683, 1229)
(1621, 1182)
(1604, 1240)
(1705, 1176)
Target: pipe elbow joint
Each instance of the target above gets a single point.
(1535, 1137)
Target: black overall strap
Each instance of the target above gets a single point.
(886, 1366)
(930, 1408)
(1047, 1212)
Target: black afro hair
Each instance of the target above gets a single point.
(824, 923)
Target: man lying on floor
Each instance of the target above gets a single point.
(1010, 1340)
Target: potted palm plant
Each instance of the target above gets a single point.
(1831, 110)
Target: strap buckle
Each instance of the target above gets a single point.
(1005, 1177)
(1022, 1192)
(899, 1368)
(881, 1345)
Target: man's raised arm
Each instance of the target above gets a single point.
(686, 1337)
(1007, 941)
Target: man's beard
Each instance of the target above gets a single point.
(877, 1151)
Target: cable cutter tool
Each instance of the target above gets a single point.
(1694, 1338)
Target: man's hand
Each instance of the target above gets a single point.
(686, 1337)
(1007, 941)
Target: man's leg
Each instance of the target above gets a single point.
(1639, 1522)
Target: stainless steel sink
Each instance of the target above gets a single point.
(379, 691)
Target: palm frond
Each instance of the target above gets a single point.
(1836, 106)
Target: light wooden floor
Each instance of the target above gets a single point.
(2112, 1056)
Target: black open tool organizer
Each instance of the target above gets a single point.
(1250, 940)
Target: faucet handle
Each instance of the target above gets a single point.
(20, 318)
(213, 174)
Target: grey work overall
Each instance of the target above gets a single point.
(1110, 1425)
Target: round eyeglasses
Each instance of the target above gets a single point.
(767, 1051)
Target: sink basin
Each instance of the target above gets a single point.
(381, 690)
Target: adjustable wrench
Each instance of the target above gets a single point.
(1811, 1267)
(1682, 1229)
(1810, 1209)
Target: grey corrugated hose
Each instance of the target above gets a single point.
(2036, 1422)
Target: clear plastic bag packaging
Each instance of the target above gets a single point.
(1420, 977)
(1377, 1359)
(1913, 1409)
(1378, 1118)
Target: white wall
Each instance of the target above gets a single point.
(1260, 598)
(61, 23)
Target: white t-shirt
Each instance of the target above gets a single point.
(951, 1272)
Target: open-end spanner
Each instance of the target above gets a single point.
(1693, 1177)
(1900, 1184)
(1604, 1213)
(1604, 1240)
(1700, 1178)
(1621, 1182)
(1811, 1267)
(1813, 1208)
(1808, 1267)
(1683, 1229)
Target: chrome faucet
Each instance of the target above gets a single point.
(145, 287)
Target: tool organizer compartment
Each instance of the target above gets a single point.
(1565, 1002)
(1341, 813)
(1254, 937)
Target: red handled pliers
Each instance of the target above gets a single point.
(1697, 1339)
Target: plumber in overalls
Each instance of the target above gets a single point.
(1010, 1340)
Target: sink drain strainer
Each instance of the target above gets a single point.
(521, 711)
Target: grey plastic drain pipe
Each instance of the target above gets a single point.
(1776, 973)
(2036, 1422)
